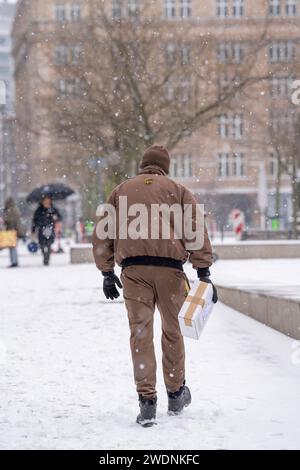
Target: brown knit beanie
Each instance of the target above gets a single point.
(156, 155)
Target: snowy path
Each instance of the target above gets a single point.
(67, 379)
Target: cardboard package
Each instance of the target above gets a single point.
(196, 310)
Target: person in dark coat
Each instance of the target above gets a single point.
(12, 221)
(43, 224)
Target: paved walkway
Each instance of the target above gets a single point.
(66, 374)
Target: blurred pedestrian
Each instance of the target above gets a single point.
(58, 235)
(12, 221)
(79, 230)
(45, 218)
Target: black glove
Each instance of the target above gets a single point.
(109, 285)
(203, 275)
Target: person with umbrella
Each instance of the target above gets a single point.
(43, 223)
(46, 215)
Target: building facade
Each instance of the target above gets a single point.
(8, 167)
(7, 11)
(229, 164)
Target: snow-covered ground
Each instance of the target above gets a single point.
(66, 380)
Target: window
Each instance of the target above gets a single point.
(238, 8)
(170, 9)
(62, 88)
(282, 122)
(281, 86)
(65, 55)
(291, 7)
(174, 52)
(75, 54)
(125, 8)
(4, 57)
(237, 53)
(223, 126)
(185, 54)
(282, 51)
(170, 53)
(64, 12)
(181, 166)
(185, 8)
(78, 88)
(227, 84)
(178, 89)
(273, 165)
(60, 12)
(170, 91)
(222, 53)
(63, 129)
(231, 126)
(177, 8)
(173, 167)
(61, 55)
(185, 90)
(238, 164)
(133, 9)
(223, 165)
(3, 92)
(231, 165)
(116, 9)
(274, 7)
(188, 163)
(222, 8)
(75, 12)
(230, 52)
(3, 40)
(70, 88)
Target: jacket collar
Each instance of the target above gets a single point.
(152, 170)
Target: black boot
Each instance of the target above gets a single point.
(147, 415)
(46, 258)
(179, 400)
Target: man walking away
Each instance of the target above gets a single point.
(152, 275)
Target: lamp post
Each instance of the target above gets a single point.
(97, 165)
(262, 194)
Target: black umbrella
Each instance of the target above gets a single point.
(54, 191)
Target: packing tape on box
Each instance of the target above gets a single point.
(194, 300)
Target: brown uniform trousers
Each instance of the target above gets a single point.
(144, 288)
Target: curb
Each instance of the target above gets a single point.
(278, 313)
